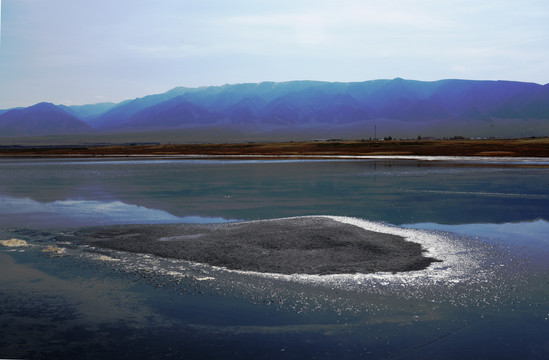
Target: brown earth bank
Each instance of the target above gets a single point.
(531, 147)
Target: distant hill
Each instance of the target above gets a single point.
(41, 119)
(313, 109)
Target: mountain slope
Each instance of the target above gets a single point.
(174, 113)
(399, 106)
(120, 113)
(311, 109)
(41, 119)
(84, 112)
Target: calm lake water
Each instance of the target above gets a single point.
(487, 220)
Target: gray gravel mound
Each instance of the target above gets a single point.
(307, 245)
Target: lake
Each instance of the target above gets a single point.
(486, 219)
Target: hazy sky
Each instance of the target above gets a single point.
(88, 51)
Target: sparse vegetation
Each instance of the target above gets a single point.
(531, 147)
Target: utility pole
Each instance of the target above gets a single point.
(375, 132)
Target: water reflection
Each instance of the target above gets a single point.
(527, 238)
(28, 212)
(516, 232)
(395, 191)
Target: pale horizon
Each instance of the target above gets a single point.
(75, 53)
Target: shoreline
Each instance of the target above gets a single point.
(508, 148)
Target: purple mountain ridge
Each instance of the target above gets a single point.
(41, 119)
(311, 109)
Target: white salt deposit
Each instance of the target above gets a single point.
(14, 242)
